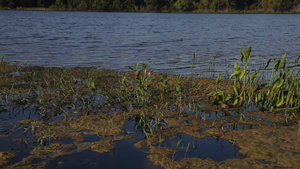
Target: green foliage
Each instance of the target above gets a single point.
(214, 5)
(219, 96)
(157, 5)
(280, 94)
(278, 5)
(184, 5)
(143, 85)
(60, 3)
(82, 6)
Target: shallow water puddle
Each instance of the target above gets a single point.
(187, 146)
(125, 155)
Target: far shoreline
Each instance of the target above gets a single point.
(178, 12)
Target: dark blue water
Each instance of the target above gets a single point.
(166, 41)
(124, 156)
(212, 148)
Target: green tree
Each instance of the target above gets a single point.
(275, 4)
(123, 5)
(214, 5)
(184, 5)
(98, 5)
(82, 6)
(201, 5)
(60, 4)
(270, 5)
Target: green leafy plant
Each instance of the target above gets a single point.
(281, 93)
(142, 89)
(219, 96)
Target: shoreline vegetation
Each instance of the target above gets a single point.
(165, 6)
(256, 111)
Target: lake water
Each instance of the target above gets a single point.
(165, 41)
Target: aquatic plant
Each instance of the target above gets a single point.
(219, 96)
(143, 85)
(280, 94)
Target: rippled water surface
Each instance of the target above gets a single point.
(165, 41)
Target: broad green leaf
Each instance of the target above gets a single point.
(236, 101)
(236, 73)
(243, 54)
(236, 66)
(248, 54)
(243, 72)
(298, 60)
(228, 97)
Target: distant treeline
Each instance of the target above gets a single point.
(158, 5)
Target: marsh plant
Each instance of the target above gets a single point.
(281, 93)
(143, 86)
(49, 91)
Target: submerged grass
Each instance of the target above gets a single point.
(60, 104)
